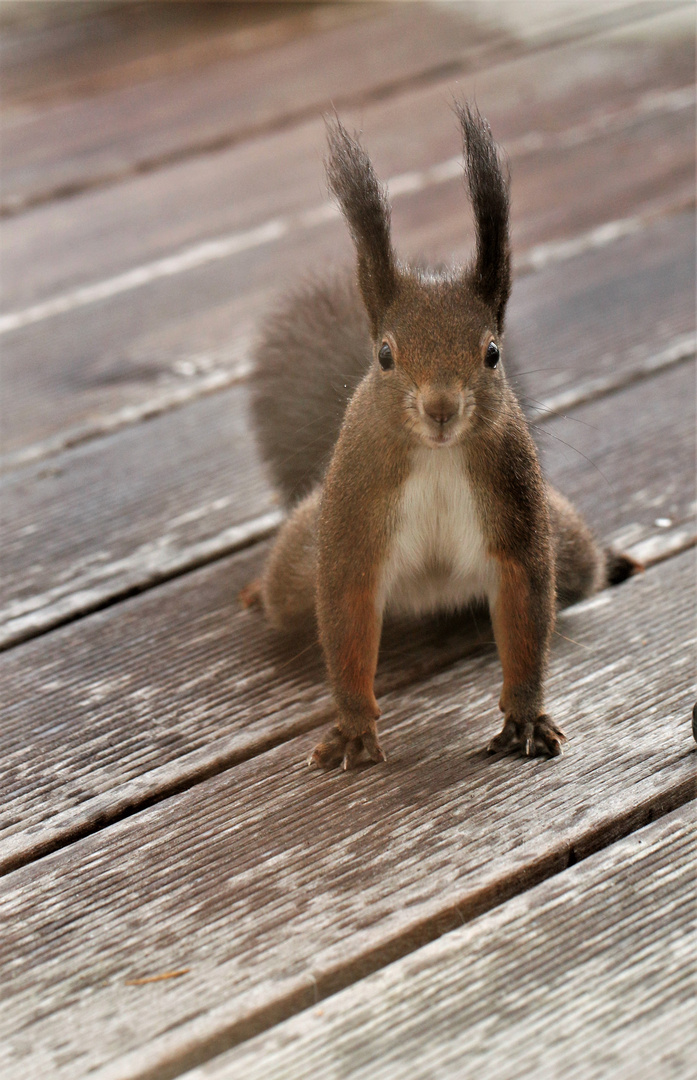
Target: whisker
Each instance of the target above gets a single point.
(573, 641)
(296, 656)
(553, 412)
(576, 450)
(531, 371)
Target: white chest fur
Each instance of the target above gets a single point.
(437, 559)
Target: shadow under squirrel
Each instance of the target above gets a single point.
(382, 408)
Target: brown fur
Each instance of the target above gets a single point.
(353, 454)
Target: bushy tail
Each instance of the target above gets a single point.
(620, 567)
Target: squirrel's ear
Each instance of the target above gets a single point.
(364, 204)
(488, 183)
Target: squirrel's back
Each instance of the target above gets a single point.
(313, 352)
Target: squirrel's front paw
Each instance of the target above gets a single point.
(339, 749)
(531, 735)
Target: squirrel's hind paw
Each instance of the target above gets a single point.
(338, 749)
(250, 595)
(531, 736)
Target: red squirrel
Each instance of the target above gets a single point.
(382, 409)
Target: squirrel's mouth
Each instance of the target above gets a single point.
(442, 438)
(445, 430)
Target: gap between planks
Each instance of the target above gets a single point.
(231, 244)
(640, 767)
(153, 570)
(200, 1040)
(477, 59)
(612, 982)
(536, 259)
(218, 756)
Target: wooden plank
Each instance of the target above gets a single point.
(136, 701)
(133, 346)
(273, 883)
(184, 334)
(57, 150)
(593, 317)
(113, 515)
(204, 96)
(534, 103)
(589, 974)
(132, 509)
(51, 53)
(639, 492)
(61, 53)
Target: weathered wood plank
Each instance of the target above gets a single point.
(115, 514)
(130, 347)
(641, 487)
(589, 974)
(182, 334)
(141, 115)
(153, 693)
(118, 514)
(56, 150)
(272, 883)
(52, 54)
(538, 102)
(63, 53)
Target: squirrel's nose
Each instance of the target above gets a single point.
(440, 409)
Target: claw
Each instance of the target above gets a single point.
(505, 738)
(329, 752)
(541, 734)
(337, 749)
(372, 747)
(352, 755)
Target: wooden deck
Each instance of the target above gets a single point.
(180, 896)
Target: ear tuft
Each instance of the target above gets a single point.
(488, 183)
(363, 201)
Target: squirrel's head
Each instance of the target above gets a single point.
(436, 335)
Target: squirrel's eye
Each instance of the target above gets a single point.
(492, 355)
(385, 357)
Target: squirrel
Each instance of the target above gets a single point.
(382, 409)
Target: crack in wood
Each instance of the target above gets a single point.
(147, 570)
(205, 1037)
(227, 246)
(175, 777)
(509, 48)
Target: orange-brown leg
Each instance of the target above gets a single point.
(523, 621)
(350, 635)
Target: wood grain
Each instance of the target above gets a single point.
(117, 514)
(537, 102)
(132, 347)
(131, 703)
(589, 974)
(64, 54)
(176, 334)
(273, 883)
(57, 150)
